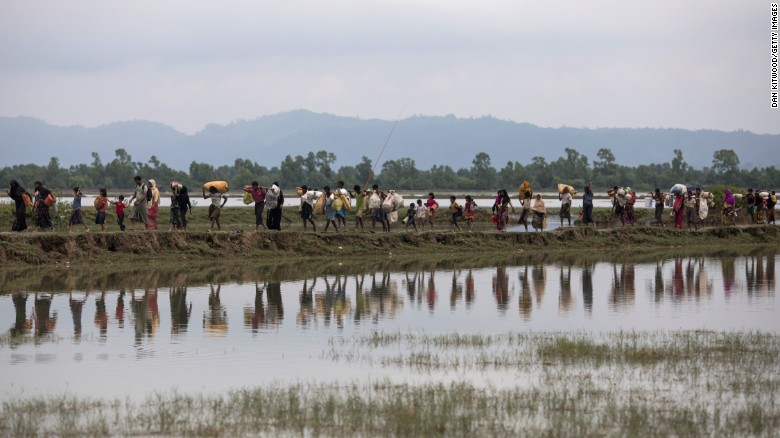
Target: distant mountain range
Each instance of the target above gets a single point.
(425, 139)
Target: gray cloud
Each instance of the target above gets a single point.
(187, 63)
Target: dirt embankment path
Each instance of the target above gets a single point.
(115, 247)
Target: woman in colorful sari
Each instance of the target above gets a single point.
(154, 205)
(679, 210)
(501, 208)
(729, 204)
(539, 222)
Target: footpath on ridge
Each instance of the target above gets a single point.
(35, 248)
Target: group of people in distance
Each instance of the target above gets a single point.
(144, 205)
(691, 205)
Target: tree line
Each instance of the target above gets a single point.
(316, 169)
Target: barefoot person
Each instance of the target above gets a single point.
(76, 216)
(307, 208)
(258, 195)
(587, 205)
(565, 212)
(218, 200)
(138, 201)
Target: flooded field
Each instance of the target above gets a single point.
(351, 333)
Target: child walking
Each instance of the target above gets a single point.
(120, 206)
(422, 213)
(101, 204)
(469, 211)
(77, 217)
(410, 215)
(432, 206)
(456, 211)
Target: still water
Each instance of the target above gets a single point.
(137, 333)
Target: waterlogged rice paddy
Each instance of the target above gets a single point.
(681, 346)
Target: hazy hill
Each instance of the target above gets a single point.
(427, 140)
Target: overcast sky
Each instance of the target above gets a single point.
(684, 64)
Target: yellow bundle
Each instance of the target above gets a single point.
(563, 186)
(222, 186)
(525, 187)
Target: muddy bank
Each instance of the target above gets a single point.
(115, 247)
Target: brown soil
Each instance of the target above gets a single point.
(114, 247)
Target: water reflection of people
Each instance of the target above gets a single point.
(456, 291)
(382, 298)
(101, 315)
(254, 317)
(469, 289)
(76, 309)
(587, 288)
(119, 313)
(760, 274)
(728, 267)
(623, 285)
(45, 321)
(146, 314)
(431, 295)
(215, 320)
(501, 288)
(306, 315)
(526, 302)
(275, 313)
(678, 283)
(180, 310)
(411, 285)
(658, 290)
(702, 286)
(564, 298)
(22, 325)
(539, 276)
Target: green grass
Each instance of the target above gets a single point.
(669, 383)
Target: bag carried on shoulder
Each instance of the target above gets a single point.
(247, 198)
(27, 200)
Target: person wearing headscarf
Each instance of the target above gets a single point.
(154, 205)
(17, 193)
(729, 204)
(501, 208)
(183, 198)
(42, 218)
(629, 217)
(274, 221)
(679, 210)
(540, 213)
